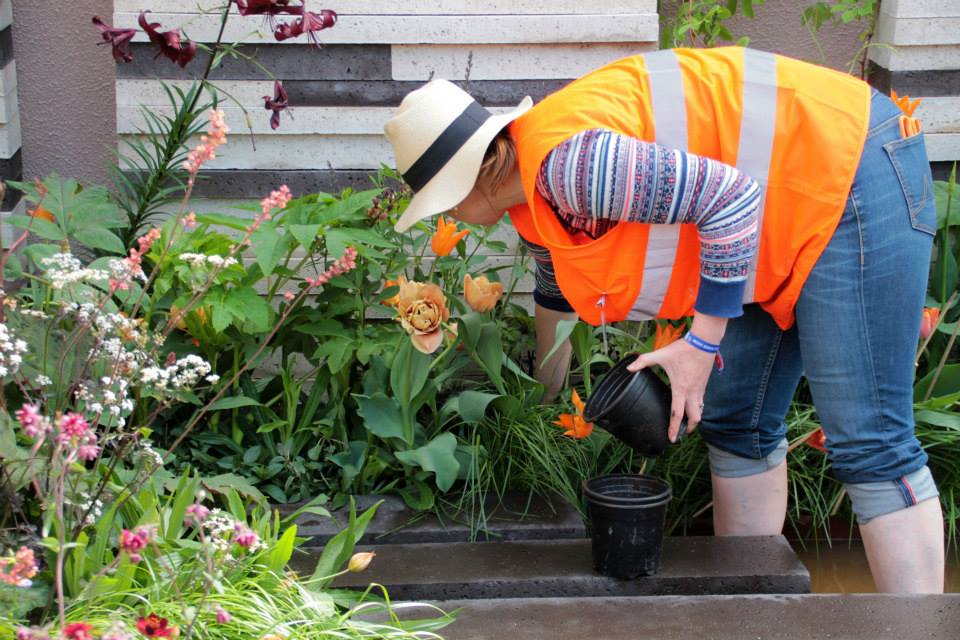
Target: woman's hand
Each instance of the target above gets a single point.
(688, 369)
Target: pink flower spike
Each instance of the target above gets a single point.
(196, 513)
(73, 424)
(30, 419)
(244, 536)
(190, 221)
(223, 616)
(289, 296)
(133, 542)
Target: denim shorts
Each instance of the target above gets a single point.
(855, 337)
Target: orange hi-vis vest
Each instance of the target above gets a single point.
(795, 128)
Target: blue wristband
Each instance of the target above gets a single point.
(699, 343)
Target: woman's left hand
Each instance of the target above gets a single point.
(688, 369)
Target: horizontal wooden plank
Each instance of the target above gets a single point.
(918, 31)
(921, 8)
(301, 152)
(406, 29)
(940, 115)
(8, 92)
(351, 94)
(936, 58)
(495, 62)
(943, 147)
(10, 140)
(420, 7)
(298, 121)
(6, 13)
(286, 62)
(9, 232)
(915, 83)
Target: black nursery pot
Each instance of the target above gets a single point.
(633, 407)
(627, 514)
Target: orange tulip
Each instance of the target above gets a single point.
(931, 316)
(481, 294)
(904, 103)
(422, 310)
(395, 300)
(666, 334)
(573, 423)
(818, 440)
(43, 214)
(446, 237)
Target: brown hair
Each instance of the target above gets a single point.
(499, 160)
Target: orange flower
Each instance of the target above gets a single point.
(446, 237)
(395, 300)
(665, 334)
(573, 423)
(422, 310)
(904, 103)
(817, 439)
(931, 316)
(43, 214)
(481, 294)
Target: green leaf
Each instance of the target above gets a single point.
(268, 247)
(351, 460)
(282, 550)
(437, 456)
(564, 329)
(234, 402)
(472, 405)
(340, 547)
(381, 415)
(409, 372)
(336, 353)
(417, 495)
(42, 228)
(947, 383)
(182, 498)
(100, 239)
(223, 220)
(325, 327)
(945, 191)
(947, 419)
(339, 239)
(245, 304)
(305, 233)
(230, 484)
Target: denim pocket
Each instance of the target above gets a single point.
(909, 158)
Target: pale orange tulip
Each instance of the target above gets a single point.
(481, 294)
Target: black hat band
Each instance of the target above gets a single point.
(446, 146)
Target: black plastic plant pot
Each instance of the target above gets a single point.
(633, 407)
(626, 514)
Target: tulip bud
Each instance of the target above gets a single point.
(360, 561)
(929, 321)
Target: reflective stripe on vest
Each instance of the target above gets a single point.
(670, 125)
(758, 127)
(757, 130)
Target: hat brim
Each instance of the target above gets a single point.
(456, 179)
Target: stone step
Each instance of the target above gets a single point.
(740, 617)
(563, 568)
(514, 518)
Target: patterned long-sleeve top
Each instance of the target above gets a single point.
(598, 178)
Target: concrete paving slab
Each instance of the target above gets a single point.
(756, 617)
(563, 568)
(515, 519)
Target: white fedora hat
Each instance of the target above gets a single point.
(439, 137)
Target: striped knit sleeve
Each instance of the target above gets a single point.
(546, 292)
(599, 178)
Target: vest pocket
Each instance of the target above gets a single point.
(909, 158)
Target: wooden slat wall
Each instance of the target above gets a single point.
(379, 50)
(920, 56)
(11, 165)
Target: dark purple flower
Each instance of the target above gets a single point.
(119, 39)
(278, 103)
(268, 8)
(309, 24)
(169, 42)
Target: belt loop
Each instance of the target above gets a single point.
(602, 303)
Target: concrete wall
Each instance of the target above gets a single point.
(66, 88)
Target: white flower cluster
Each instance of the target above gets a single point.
(184, 373)
(11, 351)
(221, 528)
(64, 269)
(96, 511)
(147, 455)
(198, 260)
(126, 270)
(110, 395)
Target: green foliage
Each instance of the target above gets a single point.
(823, 12)
(703, 23)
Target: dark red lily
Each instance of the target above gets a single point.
(309, 24)
(268, 8)
(169, 42)
(818, 440)
(278, 103)
(119, 40)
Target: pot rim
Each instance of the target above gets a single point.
(644, 502)
(617, 368)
